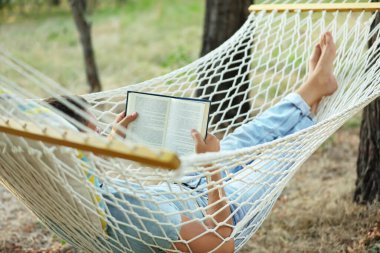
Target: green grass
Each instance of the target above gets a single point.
(354, 122)
(133, 42)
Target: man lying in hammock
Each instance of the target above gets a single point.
(290, 115)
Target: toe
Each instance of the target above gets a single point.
(325, 39)
(330, 44)
(315, 56)
(329, 38)
(318, 51)
(321, 40)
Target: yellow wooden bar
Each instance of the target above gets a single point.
(95, 144)
(332, 7)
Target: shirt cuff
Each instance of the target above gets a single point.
(299, 102)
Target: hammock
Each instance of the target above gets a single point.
(111, 196)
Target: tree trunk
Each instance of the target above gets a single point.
(222, 19)
(368, 163)
(78, 8)
(55, 2)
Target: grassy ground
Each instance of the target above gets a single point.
(133, 42)
(146, 38)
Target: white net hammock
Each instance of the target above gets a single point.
(104, 204)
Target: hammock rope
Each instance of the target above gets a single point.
(75, 192)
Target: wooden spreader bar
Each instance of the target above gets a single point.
(95, 144)
(354, 7)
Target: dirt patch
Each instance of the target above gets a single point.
(315, 212)
(21, 232)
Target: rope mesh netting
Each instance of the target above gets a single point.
(103, 204)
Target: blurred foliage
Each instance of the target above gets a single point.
(133, 42)
(179, 56)
(354, 122)
(12, 7)
(42, 3)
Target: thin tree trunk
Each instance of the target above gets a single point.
(55, 2)
(222, 19)
(368, 163)
(78, 8)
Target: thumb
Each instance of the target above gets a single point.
(210, 138)
(197, 137)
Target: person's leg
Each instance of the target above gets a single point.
(293, 112)
(249, 191)
(274, 123)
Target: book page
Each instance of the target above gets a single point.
(150, 126)
(184, 116)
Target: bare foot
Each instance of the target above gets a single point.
(315, 58)
(316, 55)
(322, 81)
(325, 67)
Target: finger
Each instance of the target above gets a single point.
(197, 137)
(128, 119)
(120, 117)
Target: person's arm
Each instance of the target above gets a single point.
(122, 121)
(218, 207)
(209, 241)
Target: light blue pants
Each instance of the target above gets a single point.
(288, 116)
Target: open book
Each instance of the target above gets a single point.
(165, 121)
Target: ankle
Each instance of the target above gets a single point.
(309, 93)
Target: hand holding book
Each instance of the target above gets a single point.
(167, 122)
(122, 121)
(211, 144)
